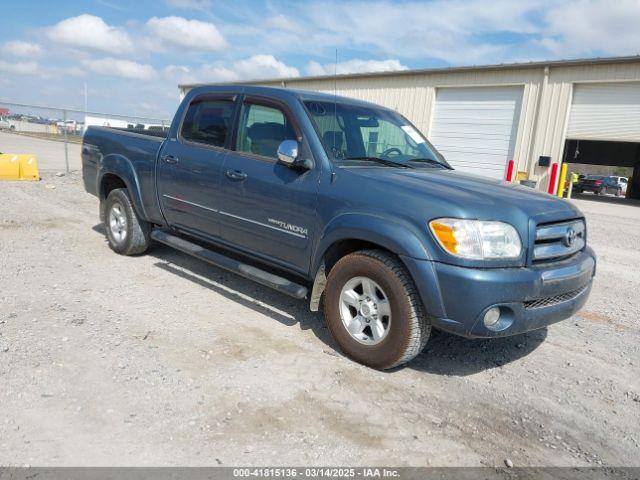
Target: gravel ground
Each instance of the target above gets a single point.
(164, 360)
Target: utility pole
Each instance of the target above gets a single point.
(66, 141)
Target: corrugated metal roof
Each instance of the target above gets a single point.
(499, 66)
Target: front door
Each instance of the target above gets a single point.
(190, 166)
(268, 209)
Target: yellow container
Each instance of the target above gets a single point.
(28, 167)
(9, 167)
(18, 167)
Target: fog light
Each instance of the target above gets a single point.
(491, 317)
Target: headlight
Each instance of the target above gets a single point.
(477, 239)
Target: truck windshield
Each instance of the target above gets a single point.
(353, 134)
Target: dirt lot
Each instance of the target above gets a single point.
(163, 360)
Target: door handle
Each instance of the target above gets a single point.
(170, 159)
(235, 175)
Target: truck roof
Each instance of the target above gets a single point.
(280, 92)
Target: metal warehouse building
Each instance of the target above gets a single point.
(537, 114)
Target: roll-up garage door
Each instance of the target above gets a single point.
(605, 111)
(475, 128)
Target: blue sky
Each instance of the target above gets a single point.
(132, 55)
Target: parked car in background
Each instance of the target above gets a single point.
(598, 184)
(622, 181)
(5, 124)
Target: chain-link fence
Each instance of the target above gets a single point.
(54, 135)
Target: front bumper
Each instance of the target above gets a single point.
(529, 298)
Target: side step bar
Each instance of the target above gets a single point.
(252, 273)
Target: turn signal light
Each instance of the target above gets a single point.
(445, 236)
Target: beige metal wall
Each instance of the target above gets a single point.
(555, 106)
(545, 109)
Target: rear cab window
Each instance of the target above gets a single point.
(208, 121)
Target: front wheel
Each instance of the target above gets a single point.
(373, 310)
(126, 233)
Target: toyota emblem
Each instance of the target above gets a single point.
(570, 237)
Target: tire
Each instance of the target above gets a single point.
(126, 233)
(618, 192)
(407, 327)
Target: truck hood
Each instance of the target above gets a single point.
(468, 195)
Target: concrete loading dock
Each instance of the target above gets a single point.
(481, 117)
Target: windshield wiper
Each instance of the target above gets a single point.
(383, 161)
(431, 161)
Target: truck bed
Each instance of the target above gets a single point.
(138, 148)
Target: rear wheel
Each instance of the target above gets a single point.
(126, 233)
(373, 310)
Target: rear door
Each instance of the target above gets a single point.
(190, 166)
(268, 209)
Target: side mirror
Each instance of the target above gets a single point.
(288, 155)
(288, 152)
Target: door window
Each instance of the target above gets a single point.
(208, 121)
(262, 129)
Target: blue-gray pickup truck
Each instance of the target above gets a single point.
(347, 204)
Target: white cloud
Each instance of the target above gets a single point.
(89, 31)
(19, 68)
(181, 32)
(176, 70)
(263, 66)
(253, 68)
(19, 48)
(454, 31)
(583, 27)
(283, 23)
(179, 74)
(355, 65)
(121, 68)
(213, 73)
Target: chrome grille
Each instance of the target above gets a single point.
(557, 240)
(555, 300)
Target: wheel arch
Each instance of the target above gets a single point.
(351, 233)
(116, 171)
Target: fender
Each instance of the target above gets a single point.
(395, 236)
(121, 166)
